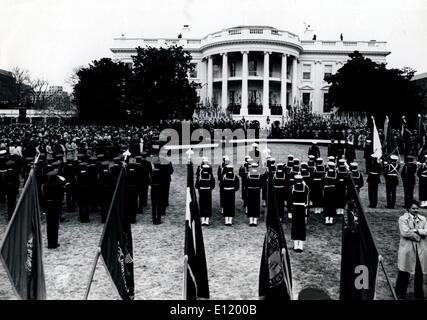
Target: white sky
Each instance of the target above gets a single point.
(52, 37)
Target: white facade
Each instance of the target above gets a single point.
(266, 69)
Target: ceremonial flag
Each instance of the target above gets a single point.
(116, 247)
(420, 135)
(21, 250)
(377, 150)
(390, 145)
(406, 137)
(359, 255)
(275, 276)
(196, 285)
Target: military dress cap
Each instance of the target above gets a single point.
(250, 160)
(290, 156)
(353, 165)
(331, 158)
(229, 166)
(138, 158)
(296, 161)
(319, 159)
(341, 161)
(280, 165)
(394, 157)
(314, 142)
(255, 145)
(205, 166)
(56, 163)
(336, 141)
(350, 143)
(342, 141)
(10, 163)
(298, 177)
(272, 159)
(247, 157)
(368, 141)
(311, 156)
(331, 164)
(2, 152)
(254, 165)
(227, 161)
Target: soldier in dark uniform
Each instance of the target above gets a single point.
(229, 185)
(299, 197)
(92, 169)
(243, 171)
(132, 184)
(332, 149)
(83, 191)
(329, 194)
(205, 183)
(254, 183)
(270, 169)
(70, 169)
(350, 152)
(11, 182)
(107, 189)
(391, 175)
(220, 173)
(367, 155)
(342, 172)
(166, 169)
(144, 172)
(289, 164)
(295, 171)
(408, 173)
(422, 183)
(316, 194)
(373, 180)
(3, 169)
(53, 191)
(279, 185)
(341, 149)
(357, 176)
(157, 201)
(314, 150)
(311, 164)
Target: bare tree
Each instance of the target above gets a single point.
(22, 84)
(39, 89)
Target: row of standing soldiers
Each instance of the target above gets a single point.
(391, 170)
(88, 185)
(297, 186)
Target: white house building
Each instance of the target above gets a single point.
(259, 71)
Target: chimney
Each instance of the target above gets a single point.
(185, 29)
(308, 33)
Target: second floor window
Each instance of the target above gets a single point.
(252, 68)
(254, 97)
(328, 71)
(306, 72)
(193, 73)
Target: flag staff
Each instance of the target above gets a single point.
(387, 278)
(184, 290)
(95, 261)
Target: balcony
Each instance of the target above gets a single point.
(275, 74)
(234, 108)
(254, 108)
(276, 109)
(253, 73)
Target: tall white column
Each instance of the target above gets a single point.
(224, 94)
(266, 85)
(294, 79)
(244, 109)
(210, 78)
(284, 81)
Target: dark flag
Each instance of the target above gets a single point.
(116, 241)
(21, 250)
(196, 284)
(359, 255)
(421, 150)
(390, 146)
(406, 138)
(275, 276)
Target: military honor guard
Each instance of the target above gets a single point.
(229, 185)
(205, 183)
(83, 192)
(408, 174)
(144, 169)
(299, 196)
(373, 180)
(329, 194)
(132, 185)
(279, 185)
(391, 175)
(422, 183)
(367, 152)
(243, 171)
(356, 175)
(53, 191)
(316, 194)
(314, 150)
(342, 172)
(107, 189)
(220, 174)
(291, 180)
(11, 185)
(254, 182)
(255, 154)
(157, 198)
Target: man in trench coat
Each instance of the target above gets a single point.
(412, 254)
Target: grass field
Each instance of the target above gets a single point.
(233, 253)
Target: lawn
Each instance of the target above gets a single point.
(233, 253)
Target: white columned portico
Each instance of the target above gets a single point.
(244, 83)
(210, 79)
(224, 93)
(266, 85)
(284, 81)
(294, 79)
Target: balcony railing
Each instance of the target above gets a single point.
(276, 109)
(234, 108)
(254, 108)
(253, 73)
